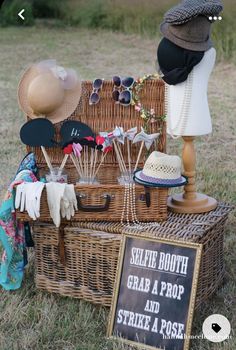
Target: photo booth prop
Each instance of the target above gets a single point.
(38, 132)
(71, 130)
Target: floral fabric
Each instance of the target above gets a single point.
(12, 236)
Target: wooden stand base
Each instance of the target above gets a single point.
(200, 204)
(190, 202)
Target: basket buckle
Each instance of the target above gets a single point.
(146, 197)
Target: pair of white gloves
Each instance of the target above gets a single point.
(62, 201)
(28, 197)
(61, 198)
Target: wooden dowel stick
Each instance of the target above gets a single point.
(63, 163)
(102, 160)
(139, 155)
(121, 157)
(75, 164)
(78, 162)
(87, 174)
(47, 159)
(81, 165)
(95, 161)
(122, 169)
(129, 157)
(92, 163)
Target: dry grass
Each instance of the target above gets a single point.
(30, 319)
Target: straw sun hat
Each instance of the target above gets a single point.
(161, 170)
(49, 90)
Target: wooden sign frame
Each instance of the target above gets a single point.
(190, 313)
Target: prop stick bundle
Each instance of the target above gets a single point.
(71, 134)
(130, 135)
(88, 165)
(68, 151)
(117, 136)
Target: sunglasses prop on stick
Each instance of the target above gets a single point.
(39, 132)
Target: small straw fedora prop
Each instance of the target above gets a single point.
(161, 170)
(50, 91)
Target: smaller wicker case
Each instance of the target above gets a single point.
(81, 261)
(76, 262)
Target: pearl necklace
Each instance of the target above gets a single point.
(184, 112)
(129, 208)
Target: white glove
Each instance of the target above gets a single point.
(64, 206)
(70, 193)
(33, 196)
(69, 202)
(20, 200)
(28, 197)
(55, 193)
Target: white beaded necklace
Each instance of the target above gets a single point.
(184, 112)
(129, 208)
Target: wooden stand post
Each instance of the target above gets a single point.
(190, 201)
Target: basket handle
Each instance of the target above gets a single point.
(94, 208)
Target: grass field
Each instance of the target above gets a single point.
(33, 320)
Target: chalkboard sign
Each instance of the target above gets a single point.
(155, 291)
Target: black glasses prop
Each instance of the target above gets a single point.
(94, 97)
(123, 97)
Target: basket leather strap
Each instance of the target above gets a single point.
(147, 196)
(61, 245)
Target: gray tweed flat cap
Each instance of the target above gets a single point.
(189, 9)
(193, 35)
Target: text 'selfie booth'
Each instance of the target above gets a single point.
(94, 188)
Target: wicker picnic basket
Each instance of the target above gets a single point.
(105, 201)
(80, 261)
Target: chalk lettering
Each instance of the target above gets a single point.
(143, 257)
(152, 306)
(139, 284)
(74, 132)
(173, 291)
(134, 319)
(173, 263)
(155, 326)
(171, 330)
(155, 288)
